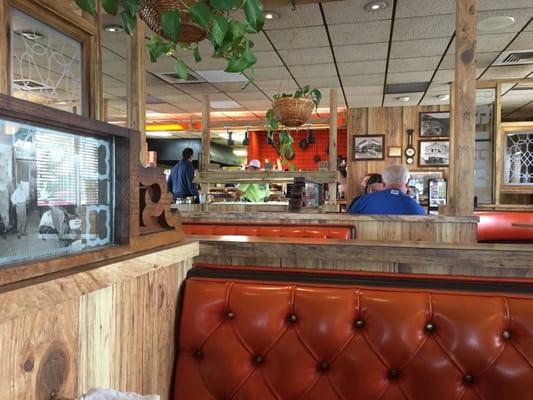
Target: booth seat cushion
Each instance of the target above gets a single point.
(271, 230)
(275, 340)
(504, 226)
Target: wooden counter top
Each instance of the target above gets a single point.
(505, 207)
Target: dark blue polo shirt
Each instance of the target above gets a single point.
(180, 182)
(388, 201)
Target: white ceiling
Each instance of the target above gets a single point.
(362, 56)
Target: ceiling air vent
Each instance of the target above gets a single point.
(30, 84)
(174, 79)
(515, 58)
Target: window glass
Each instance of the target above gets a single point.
(46, 65)
(56, 192)
(518, 169)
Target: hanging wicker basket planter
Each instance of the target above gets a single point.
(293, 112)
(151, 14)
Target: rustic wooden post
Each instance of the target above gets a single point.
(462, 143)
(5, 75)
(205, 158)
(497, 163)
(137, 86)
(333, 142)
(95, 88)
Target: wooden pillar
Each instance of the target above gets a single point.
(497, 162)
(205, 158)
(462, 142)
(333, 141)
(5, 56)
(95, 88)
(137, 86)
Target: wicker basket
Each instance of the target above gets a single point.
(292, 112)
(151, 15)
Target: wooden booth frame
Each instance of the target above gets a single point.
(143, 219)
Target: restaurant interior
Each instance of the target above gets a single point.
(262, 277)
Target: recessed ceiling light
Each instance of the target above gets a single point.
(376, 5)
(495, 23)
(404, 98)
(113, 28)
(32, 35)
(443, 97)
(270, 15)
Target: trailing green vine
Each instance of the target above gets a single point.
(226, 33)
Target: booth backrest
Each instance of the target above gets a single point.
(504, 226)
(261, 339)
(272, 230)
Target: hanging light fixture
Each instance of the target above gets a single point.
(231, 142)
(246, 141)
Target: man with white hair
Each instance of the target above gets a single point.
(392, 199)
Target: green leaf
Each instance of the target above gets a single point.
(249, 57)
(171, 24)
(305, 89)
(128, 22)
(200, 14)
(225, 5)
(131, 7)
(236, 64)
(88, 6)
(220, 28)
(253, 10)
(297, 94)
(197, 56)
(317, 96)
(110, 6)
(181, 69)
(238, 30)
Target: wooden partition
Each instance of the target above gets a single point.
(438, 229)
(112, 326)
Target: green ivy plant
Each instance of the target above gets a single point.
(286, 142)
(226, 33)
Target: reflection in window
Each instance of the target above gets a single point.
(518, 158)
(46, 64)
(55, 192)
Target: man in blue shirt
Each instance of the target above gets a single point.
(391, 200)
(180, 182)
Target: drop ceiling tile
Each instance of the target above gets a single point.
(508, 72)
(163, 64)
(523, 42)
(328, 82)
(358, 33)
(289, 39)
(420, 8)
(350, 11)
(270, 73)
(419, 48)
(304, 15)
(164, 108)
(256, 105)
(108, 55)
(276, 86)
(196, 89)
(364, 101)
(482, 60)
(497, 4)
(362, 80)
(424, 27)
(432, 101)
(118, 91)
(407, 77)
(361, 52)
(413, 64)
(321, 55)
(309, 71)
(521, 16)
(363, 90)
(267, 59)
(163, 89)
(243, 96)
(235, 87)
(112, 81)
(362, 67)
(176, 99)
(444, 75)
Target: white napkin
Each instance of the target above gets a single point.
(110, 394)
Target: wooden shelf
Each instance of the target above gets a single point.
(264, 176)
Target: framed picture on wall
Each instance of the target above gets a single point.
(433, 153)
(368, 147)
(434, 124)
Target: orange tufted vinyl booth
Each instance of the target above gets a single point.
(266, 335)
(504, 226)
(271, 230)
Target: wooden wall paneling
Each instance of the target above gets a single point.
(205, 158)
(40, 354)
(357, 125)
(5, 54)
(463, 142)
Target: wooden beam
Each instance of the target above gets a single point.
(205, 159)
(5, 35)
(333, 142)
(96, 105)
(464, 121)
(263, 176)
(136, 89)
(497, 162)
